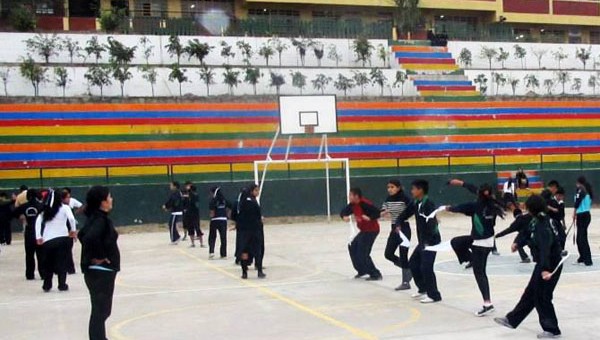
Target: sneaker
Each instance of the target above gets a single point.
(211, 256)
(495, 252)
(403, 286)
(63, 288)
(504, 322)
(427, 299)
(192, 246)
(468, 265)
(485, 310)
(359, 276)
(548, 335)
(375, 278)
(526, 260)
(261, 275)
(202, 246)
(564, 253)
(244, 275)
(418, 296)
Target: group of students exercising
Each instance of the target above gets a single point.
(541, 227)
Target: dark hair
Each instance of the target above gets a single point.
(192, 187)
(32, 194)
(485, 194)
(421, 184)
(3, 194)
(546, 194)
(65, 193)
(217, 194)
(23, 188)
(395, 183)
(553, 183)
(588, 187)
(188, 183)
(94, 198)
(536, 205)
(560, 190)
(176, 184)
(356, 191)
(51, 206)
(67, 189)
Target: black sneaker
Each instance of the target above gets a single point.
(468, 265)
(63, 288)
(261, 275)
(375, 278)
(504, 322)
(485, 310)
(403, 286)
(244, 275)
(526, 260)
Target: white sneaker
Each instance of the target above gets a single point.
(548, 335)
(418, 296)
(211, 256)
(427, 299)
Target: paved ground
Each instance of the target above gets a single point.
(174, 292)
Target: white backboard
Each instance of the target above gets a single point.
(307, 114)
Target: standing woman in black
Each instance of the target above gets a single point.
(219, 210)
(250, 231)
(583, 218)
(100, 258)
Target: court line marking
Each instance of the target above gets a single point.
(293, 303)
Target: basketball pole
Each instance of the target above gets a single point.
(327, 178)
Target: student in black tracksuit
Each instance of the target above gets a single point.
(541, 236)
(250, 231)
(422, 261)
(33, 251)
(191, 214)
(521, 222)
(556, 210)
(6, 216)
(583, 218)
(175, 207)
(219, 210)
(393, 206)
(100, 258)
(476, 247)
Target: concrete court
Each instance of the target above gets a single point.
(174, 292)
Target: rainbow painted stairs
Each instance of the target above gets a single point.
(434, 72)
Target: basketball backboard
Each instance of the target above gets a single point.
(307, 114)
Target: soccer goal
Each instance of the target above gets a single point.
(304, 115)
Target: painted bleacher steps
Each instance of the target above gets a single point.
(434, 72)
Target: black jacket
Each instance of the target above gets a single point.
(30, 210)
(483, 218)
(428, 232)
(219, 207)
(520, 223)
(541, 235)
(249, 217)
(99, 241)
(175, 202)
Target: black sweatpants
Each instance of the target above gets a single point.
(101, 285)
(5, 232)
(522, 253)
(173, 232)
(217, 226)
(583, 245)
(421, 265)
(70, 262)
(33, 254)
(467, 252)
(393, 244)
(360, 253)
(538, 295)
(55, 254)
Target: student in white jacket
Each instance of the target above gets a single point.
(54, 228)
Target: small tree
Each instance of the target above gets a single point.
(343, 83)
(44, 45)
(502, 56)
(320, 82)
(514, 82)
(584, 55)
(175, 48)
(279, 46)
(207, 76)
(301, 47)
(246, 50)
(98, 75)
(576, 86)
(539, 55)
(227, 51)
(111, 21)
(378, 78)
(363, 50)
(61, 78)
(319, 51)
(94, 48)
(22, 18)
(119, 53)
(121, 73)
(465, 57)
(488, 53)
(198, 50)
(72, 47)
(592, 82)
(178, 74)
(401, 78)
(520, 53)
(33, 72)
(559, 56)
(252, 77)
(500, 80)
(231, 78)
(482, 80)
(531, 82)
(150, 75)
(333, 55)
(147, 48)
(549, 85)
(361, 79)
(383, 54)
(298, 80)
(4, 75)
(563, 77)
(266, 51)
(277, 80)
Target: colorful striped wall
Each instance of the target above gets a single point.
(135, 143)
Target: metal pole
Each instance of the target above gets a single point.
(328, 192)
(287, 149)
(321, 146)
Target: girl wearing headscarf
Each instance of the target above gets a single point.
(219, 210)
(250, 231)
(54, 228)
(191, 214)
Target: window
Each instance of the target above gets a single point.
(273, 12)
(553, 35)
(146, 9)
(594, 37)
